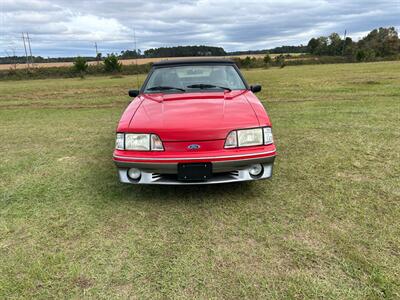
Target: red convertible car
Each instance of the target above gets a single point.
(194, 122)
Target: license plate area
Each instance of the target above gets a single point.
(194, 171)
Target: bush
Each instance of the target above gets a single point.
(111, 64)
(365, 55)
(249, 62)
(280, 60)
(80, 65)
(360, 55)
(267, 60)
(246, 62)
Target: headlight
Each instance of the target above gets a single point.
(249, 137)
(134, 141)
(138, 142)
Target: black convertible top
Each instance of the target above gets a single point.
(189, 61)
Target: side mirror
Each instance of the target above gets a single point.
(255, 88)
(133, 93)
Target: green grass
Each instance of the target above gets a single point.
(326, 226)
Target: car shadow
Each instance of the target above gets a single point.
(181, 193)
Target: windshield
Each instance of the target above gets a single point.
(194, 78)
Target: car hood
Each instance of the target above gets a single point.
(193, 116)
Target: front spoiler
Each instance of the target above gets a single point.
(223, 171)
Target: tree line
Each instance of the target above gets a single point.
(178, 51)
(40, 59)
(276, 50)
(379, 43)
(182, 51)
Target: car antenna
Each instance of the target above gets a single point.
(136, 59)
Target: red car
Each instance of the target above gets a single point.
(194, 122)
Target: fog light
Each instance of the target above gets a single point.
(256, 170)
(134, 173)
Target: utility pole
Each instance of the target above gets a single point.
(29, 44)
(344, 41)
(26, 53)
(97, 52)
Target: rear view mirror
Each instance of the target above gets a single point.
(255, 88)
(133, 93)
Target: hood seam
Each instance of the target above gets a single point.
(258, 120)
(134, 113)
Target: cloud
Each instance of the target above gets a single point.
(71, 27)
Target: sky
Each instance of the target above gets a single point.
(70, 28)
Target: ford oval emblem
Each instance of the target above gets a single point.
(193, 147)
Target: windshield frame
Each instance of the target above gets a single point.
(142, 89)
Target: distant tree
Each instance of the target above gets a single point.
(80, 65)
(111, 64)
(384, 41)
(322, 48)
(246, 62)
(335, 46)
(312, 46)
(276, 50)
(280, 59)
(318, 46)
(348, 47)
(185, 51)
(130, 54)
(267, 60)
(288, 49)
(332, 45)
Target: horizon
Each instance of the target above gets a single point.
(142, 51)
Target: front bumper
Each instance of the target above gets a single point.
(230, 169)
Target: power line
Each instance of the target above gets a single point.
(30, 49)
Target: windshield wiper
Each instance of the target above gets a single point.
(208, 86)
(164, 88)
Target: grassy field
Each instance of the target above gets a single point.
(326, 226)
